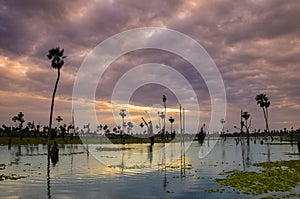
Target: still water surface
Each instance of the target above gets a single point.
(105, 172)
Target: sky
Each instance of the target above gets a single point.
(254, 44)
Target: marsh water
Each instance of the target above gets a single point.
(134, 170)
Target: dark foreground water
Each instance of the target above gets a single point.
(131, 171)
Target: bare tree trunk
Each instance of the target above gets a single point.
(52, 106)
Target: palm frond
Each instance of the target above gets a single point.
(56, 55)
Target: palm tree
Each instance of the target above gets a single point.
(123, 114)
(263, 101)
(162, 130)
(59, 119)
(164, 98)
(129, 127)
(141, 125)
(246, 116)
(222, 121)
(56, 55)
(171, 120)
(99, 128)
(20, 119)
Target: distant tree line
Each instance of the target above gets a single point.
(31, 129)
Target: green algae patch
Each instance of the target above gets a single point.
(291, 195)
(277, 176)
(113, 148)
(279, 143)
(128, 167)
(2, 166)
(288, 153)
(211, 191)
(73, 153)
(10, 177)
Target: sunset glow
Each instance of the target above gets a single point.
(255, 45)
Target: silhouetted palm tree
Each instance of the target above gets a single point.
(59, 119)
(141, 125)
(164, 98)
(246, 116)
(129, 127)
(123, 114)
(57, 57)
(20, 119)
(222, 121)
(263, 101)
(171, 120)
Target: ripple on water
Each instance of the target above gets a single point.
(79, 174)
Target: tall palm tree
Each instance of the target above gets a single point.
(263, 101)
(164, 98)
(56, 55)
(222, 121)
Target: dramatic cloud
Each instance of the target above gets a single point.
(255, 45)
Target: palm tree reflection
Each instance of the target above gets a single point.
(246, 159)
(48, 178)
(165, 167)
(150, 154)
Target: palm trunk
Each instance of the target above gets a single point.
(267, 120)
(248, 136)
(52, 106)
(165, 120)
(20, 130)
(267, 124)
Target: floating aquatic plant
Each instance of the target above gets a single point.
(10, 177)
(277, 176)
(288, 153)
(128, 167)
(2, 166)
(112, 149)
(73, 153)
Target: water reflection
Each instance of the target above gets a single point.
(223, 151)
(150, 154)
(245, 158)
(54, 159)
(182, 159)
(164, 167)
(269, 152)
(158, 170)
(18, 154)
(48, 177)
(122, 162)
